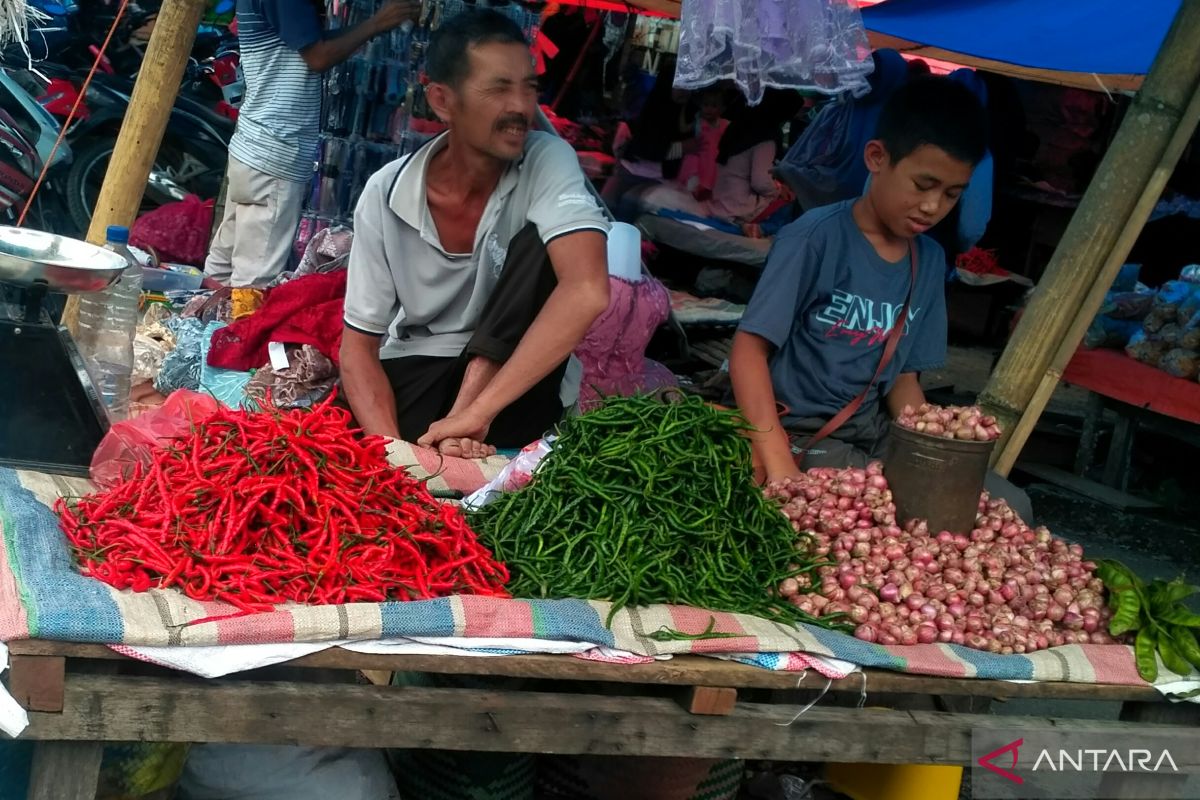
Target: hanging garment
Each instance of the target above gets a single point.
(815, 45)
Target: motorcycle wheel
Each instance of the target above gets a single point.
(90, 163)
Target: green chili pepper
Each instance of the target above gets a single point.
(641, 502)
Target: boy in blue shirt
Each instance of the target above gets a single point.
(816, 328)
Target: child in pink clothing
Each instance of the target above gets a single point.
(698, 171)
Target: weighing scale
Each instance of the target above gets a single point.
(51, 416)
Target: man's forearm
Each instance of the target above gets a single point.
(370, 394)
(550, 340)
(328, 53)
(479, 373)
(750, 374)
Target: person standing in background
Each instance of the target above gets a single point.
(284, 50)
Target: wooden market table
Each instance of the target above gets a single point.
(1138, 393)
(82, 695)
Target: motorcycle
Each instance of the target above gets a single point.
(191, 159)
(27, 136)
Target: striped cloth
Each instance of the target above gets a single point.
(42, 596)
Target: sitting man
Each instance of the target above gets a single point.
(478, 263)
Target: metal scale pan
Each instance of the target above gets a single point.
(51, 417)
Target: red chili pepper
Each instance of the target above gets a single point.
(263, 508)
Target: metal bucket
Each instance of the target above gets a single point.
(936, 479)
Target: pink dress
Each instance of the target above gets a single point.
(702, 164)
(613, 352)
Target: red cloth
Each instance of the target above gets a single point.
(1116, 375)
(306, 310)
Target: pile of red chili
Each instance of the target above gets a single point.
(261, 508)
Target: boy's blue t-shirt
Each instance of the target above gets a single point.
(827, 301)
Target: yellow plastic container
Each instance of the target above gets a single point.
(895, 781)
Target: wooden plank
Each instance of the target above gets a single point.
(1134, 785)
(36, 682)
(1085, 487)
(678, 671)
(116, 708)
(379, 677)
(65, 770)
(714, 701)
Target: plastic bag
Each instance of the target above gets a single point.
(178, 232)
(1158, 317)
(130, 441)
(1180, 363)
(1108, 332)
(1145, 349)
(1169, 335)
(516, 474)
(1128, 305)
(181, 368)
(1190, 338)
(1172, 294)
(1127, 278)
(1189, 308)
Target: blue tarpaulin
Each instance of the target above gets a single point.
(1074, 38)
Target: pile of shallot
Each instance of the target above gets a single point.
(1003, 587)
(967, 423)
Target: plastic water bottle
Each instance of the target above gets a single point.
(107, 324)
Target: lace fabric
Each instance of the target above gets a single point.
(815, 45)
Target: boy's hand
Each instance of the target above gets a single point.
(777, 471)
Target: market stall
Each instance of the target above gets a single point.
(1136, 392)
(587, 626)
(691, 711)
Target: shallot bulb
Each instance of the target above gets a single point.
(1002, 586)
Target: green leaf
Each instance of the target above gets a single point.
(1179, 589)
(1179, 615)
(1185, 642)
(1171, 658)
(1144, 655)
(1115, 575)
(1128, 613)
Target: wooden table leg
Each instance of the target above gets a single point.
(1120, 452)
(65, 770)
(1091, 432)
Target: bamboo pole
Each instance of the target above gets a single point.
(145, 123)
(1100, 233)
(1095, 297)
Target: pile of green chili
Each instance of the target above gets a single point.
(644, 502)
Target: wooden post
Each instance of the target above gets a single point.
(1111, 214)
(1011, 447)
(145, 122)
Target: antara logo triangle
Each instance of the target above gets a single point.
(1011, 747)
